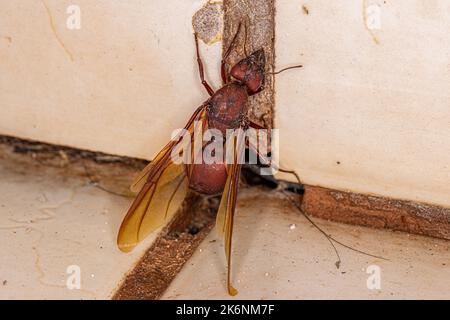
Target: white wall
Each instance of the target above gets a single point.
(376, 101)
(380, 109)
(120, 84)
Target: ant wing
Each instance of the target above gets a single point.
(143, 176)
(155, 204)
(225, 214)
(163, 187)
(149, 170)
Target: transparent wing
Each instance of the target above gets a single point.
(157, 202)
(225, 214)
(153, 166)
(163, 187)
(141, 179)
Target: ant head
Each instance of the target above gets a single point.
(250, 71)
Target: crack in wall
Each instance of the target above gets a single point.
(55, 33)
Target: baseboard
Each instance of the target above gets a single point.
(377, 212)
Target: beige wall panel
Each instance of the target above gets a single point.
(120, 84)
(370, 110)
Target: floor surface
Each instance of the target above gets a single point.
(279, 255)
(57, 231)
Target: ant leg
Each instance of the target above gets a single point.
(200, 69)
(265, 160)
(245, 37)
(254, 125)
(223, 69)
(223, 72)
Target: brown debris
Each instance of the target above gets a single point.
(109, 173)
(305, 9)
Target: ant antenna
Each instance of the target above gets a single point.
(285, 69)
(330, 239)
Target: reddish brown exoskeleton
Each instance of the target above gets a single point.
(163, 184)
